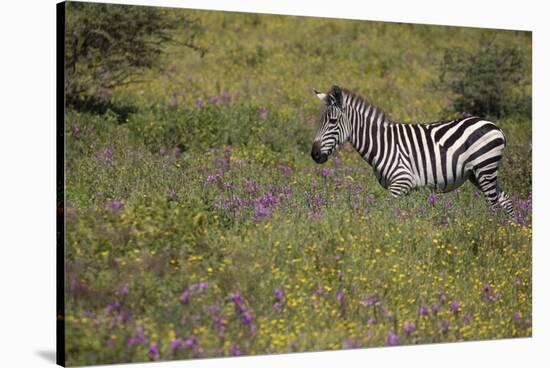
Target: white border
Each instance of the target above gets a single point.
(27, 151)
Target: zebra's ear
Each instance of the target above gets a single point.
(335, 96)
(321, 96)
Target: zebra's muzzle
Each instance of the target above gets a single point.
(317, 155)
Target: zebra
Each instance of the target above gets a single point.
(439, 155)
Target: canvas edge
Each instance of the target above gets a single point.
(60, 184)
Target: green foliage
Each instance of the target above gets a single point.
(108, 45)
(487, 81)
(199, 128)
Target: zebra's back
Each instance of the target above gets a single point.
(442, 155)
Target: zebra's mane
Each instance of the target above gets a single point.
(359, 102)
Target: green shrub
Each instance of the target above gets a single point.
(488, 81)
(111, 45)
(199, 128)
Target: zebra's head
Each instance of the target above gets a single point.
(332, 125)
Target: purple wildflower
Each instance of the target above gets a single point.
(261, 212)
(517, 282)
(423, 311)
(435, 309)
(326, 172)
(455, 307)
(242, 308)
(211, 179)
(219, 323)
(228, 185)
(392, 339)
(236, 298)
(350, 344)
(115, 205)
(184, 297)
(285, 169)
(278, 294)
(431, 199)
(137, 338)
(200, 102)
(190, 342)
(213, 100)
(371, 321)
(113, 306)
(122, 317)
(76, 129)
(268, 200)
(234, 350)
(124, 290)
(409, 328)
(251, 186)
(176, 343)
(277, 305)
(340, 295)
(154, 351)
(247, 318)
(109, 342)
(318, 200)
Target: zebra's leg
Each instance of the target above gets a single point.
(487, 183)
(505, 202)
(399, 188)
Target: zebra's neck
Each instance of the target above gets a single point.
(369, 130)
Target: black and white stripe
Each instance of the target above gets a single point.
(441, 155)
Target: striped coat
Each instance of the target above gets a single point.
(440, 155)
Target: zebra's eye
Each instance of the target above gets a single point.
(332, 121)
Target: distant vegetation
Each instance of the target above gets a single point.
(198, 225)
(487, 81)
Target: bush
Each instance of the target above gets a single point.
(489, 81)
(109, 45)
(199, 129)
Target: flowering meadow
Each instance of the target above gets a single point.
(197, 224)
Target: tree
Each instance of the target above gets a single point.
(108, 45)
(488, 81)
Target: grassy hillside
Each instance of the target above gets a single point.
(198, 225)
